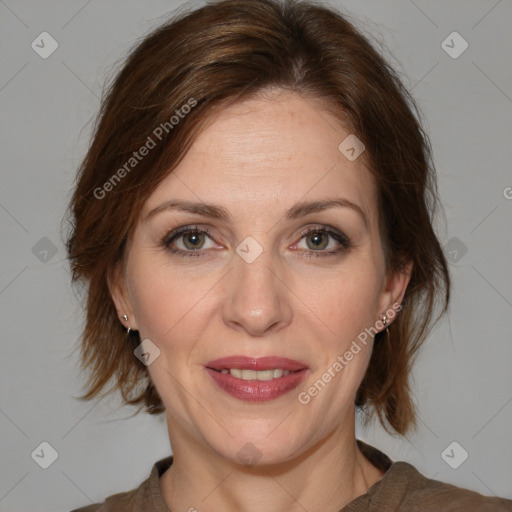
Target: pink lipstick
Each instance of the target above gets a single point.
(256, 379)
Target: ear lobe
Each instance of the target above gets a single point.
(395, 287)
(119, 293)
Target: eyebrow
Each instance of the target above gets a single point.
(297, 211)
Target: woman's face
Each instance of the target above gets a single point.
(254, 283)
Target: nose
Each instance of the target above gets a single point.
(257, 298)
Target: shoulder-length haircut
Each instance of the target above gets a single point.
(166, 91)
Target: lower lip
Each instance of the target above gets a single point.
(257, 390)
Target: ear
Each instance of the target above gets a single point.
(119, 292)
(394, 288)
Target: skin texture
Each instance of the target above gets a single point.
(258, 158)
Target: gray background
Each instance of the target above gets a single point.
(463, 381)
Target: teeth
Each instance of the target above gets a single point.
(256, 375)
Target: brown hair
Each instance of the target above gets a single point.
(223, 52)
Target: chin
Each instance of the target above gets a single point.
(252, 451)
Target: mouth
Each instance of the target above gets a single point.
(256, 379)
(263, 375)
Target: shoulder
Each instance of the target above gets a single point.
(121, 502)
(425, 495)
(404, 489)
(146, 497)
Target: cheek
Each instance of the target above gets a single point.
(167, 303)
(152, 298)
(348, 309)
(345, 301)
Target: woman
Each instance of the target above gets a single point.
(253, 222)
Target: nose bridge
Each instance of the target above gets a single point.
(257, 299)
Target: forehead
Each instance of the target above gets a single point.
(269, 151)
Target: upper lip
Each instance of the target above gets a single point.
(256, 363)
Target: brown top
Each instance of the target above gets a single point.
(401, 489)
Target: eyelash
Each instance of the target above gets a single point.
(339, 237)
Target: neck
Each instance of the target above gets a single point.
(326, 477)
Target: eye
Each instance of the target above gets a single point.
(193, 241)
(323, 242)
(188, 240)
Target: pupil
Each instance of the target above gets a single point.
(193, 239)
(316, 239)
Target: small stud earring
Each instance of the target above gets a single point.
(384, 320)
(125, 318)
